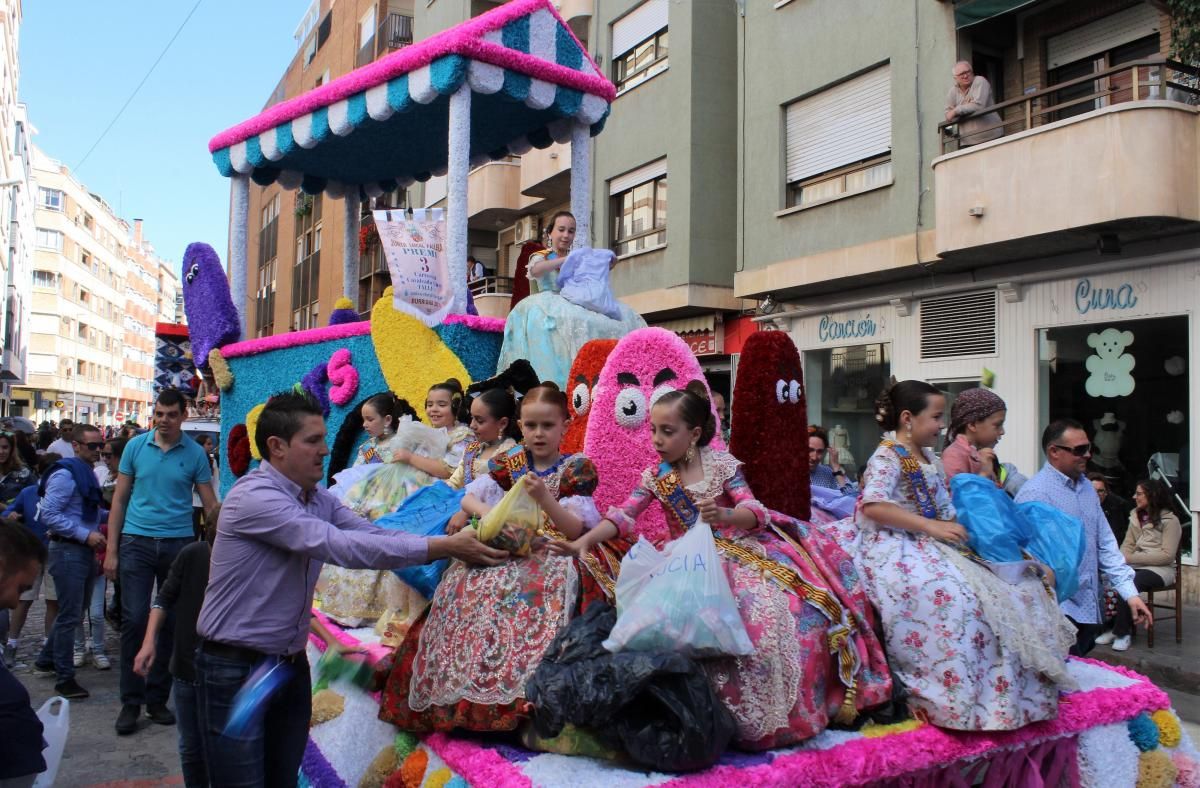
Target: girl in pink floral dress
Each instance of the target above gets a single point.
(815, 654)
(974, 652)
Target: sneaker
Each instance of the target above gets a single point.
(100, 660)
(71, 690)
(80, 656)
(127, 719)
(160, 714)
(1122, 644)
(1106, 638)
(43, 671)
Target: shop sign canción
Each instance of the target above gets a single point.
(832, 330)
(1089, 298)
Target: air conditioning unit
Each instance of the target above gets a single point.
(527, 229)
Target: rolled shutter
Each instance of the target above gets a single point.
(847, 123)
(646, 172)
(638, 25)
(1102, 35)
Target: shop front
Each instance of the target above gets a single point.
(1111, 346)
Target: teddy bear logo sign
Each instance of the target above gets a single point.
(1111, 365)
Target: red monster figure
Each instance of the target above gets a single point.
(581, 385)
(770, 423)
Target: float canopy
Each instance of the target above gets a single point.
(386, 124)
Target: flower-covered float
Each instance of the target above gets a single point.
(409, 116)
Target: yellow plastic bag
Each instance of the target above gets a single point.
(513, 523)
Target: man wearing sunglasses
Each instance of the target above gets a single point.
(1062, 483)
(70, 509)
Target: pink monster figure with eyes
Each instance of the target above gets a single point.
(643, 366)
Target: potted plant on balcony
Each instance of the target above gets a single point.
(368, 237)
(304, 204)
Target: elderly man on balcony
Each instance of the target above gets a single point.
(969, 95)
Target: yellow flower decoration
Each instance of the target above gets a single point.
(1155, 770)
(1169, 733)
(343, 303)
(220, 369)
(438, 778)
(380, 768)
(413, 358)
(879, 731)
(327, 705)
(251, 426)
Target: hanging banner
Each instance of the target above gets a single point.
(416, 255)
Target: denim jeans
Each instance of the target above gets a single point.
(93, 605)
(191, 742)
(72, 566)
(142, 562)
(270, 751)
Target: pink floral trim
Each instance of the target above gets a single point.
(343, 377)
(375, 651)
(492, 325)
(477, 765)
(868, 760)
(252, 347)
(465, 39)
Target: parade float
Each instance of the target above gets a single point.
(499, 84)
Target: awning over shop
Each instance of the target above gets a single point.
(703, 333)
(386, 124)
(972, 12)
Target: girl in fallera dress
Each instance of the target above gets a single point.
(465, 664)
(974, 652)
(816, 658)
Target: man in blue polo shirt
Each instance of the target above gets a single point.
(150, 522)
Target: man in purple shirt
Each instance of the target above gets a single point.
(276, 529)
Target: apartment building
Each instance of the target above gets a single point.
(1059, 261)
(96, 296)
(16, 209)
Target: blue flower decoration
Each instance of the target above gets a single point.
(1143, 732)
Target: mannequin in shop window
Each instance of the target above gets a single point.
(1109, 435)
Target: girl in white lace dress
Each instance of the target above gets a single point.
(973, 651)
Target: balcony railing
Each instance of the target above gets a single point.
(491, 284)
(1140, 80)
(396, 32)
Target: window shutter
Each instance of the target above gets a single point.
(646, 172)
(638, 25)
(958, 325)
(1102, 35)
(844, 124)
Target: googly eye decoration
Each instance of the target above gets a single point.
(581, 399)
(630, 408)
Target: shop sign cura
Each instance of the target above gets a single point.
(1089, 298)
(831, 329)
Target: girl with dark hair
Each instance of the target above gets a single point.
(543, 266)
(1009, 639)
(1150, 546)
(378, 415)
(14, 474)
(445, 409)
(789, 580)
(465, 664)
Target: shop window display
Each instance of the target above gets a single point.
(842, 385)
(1127, 383)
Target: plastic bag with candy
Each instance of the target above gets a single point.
(678, 600)
(513, 523)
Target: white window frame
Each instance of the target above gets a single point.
(618, 187)
(45, 193)
(641, 25)
(44, 234)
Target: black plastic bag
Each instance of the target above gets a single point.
(659, 707)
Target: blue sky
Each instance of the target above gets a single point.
(80, 61)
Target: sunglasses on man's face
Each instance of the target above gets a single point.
(91, 446)
(1082, 450)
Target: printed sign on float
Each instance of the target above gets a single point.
(416, 256)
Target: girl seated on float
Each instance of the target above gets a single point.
(976, 426)
(361, 597)
(974, 652)
(815, 656)
(465, 664)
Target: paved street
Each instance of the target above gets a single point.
(95, 754)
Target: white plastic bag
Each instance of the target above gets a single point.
(55, 729)
(678, 600)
